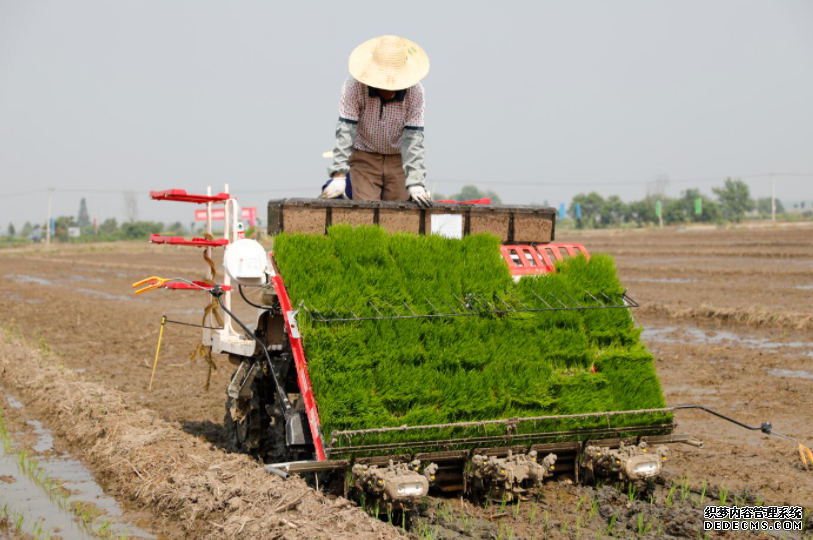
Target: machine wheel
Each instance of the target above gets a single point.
(254, 425)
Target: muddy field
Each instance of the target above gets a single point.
(728, 314)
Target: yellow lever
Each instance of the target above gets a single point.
(152, 282)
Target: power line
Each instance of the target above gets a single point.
(19, 193)
(122, 191)
(627, 182)
(451, 181)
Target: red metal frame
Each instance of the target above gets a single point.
(180, 195)
(476, 201)
(181, 241)
(198, 285)
(538, 259)
(301, 368)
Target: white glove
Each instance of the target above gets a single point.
(335, 188)
(420, 196)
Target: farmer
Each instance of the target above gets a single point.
(379, 136)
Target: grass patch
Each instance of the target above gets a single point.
(428, 371)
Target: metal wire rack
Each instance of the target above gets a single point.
(468, 305)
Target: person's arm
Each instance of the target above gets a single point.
(345, 136)
(412, 153)
(346, 128)
(412, 150)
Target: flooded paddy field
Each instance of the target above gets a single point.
(728, 314)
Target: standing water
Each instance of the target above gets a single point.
(53, 494)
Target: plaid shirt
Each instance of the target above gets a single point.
(381, 123)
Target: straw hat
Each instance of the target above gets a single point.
(389, 63)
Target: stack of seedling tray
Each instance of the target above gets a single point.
(422, 371)
(510, 223)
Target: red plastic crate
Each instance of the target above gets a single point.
(180, 195)
(526, 259)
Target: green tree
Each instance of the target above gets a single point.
(26, 230)
(614, 212)
(61, 225)
(83, 219)
(764, 206)
(177, 228)
(682, 210)
(734, 199)
(590, 205)
(472, 193)
(108, 226)
(137, 230)
(643, 212)
(11, 232)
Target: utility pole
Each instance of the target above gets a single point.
(773, 198)
(48, 223)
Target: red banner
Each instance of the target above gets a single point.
(219, 214)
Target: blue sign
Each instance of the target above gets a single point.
(52, 227)
(562, 211)
(578, 211)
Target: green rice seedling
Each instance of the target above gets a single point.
(419, 371)
(631, 491)
(723, 496)
(517, 508)
(593, 509)
(670, 495)
(532, 514)
(503, 503)
(703, 495)
(465, 520)
(685, 488)
(643, 526)
(581, 501)
(611, 524)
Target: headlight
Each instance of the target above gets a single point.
(411, 489)
(647, 468)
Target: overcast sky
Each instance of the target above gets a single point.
(536, 100)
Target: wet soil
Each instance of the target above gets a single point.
(53, 492)
(76, 301)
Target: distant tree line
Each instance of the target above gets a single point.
(731, 203)
(108, 230)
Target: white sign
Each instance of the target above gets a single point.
(74, 232)
(448, 225)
